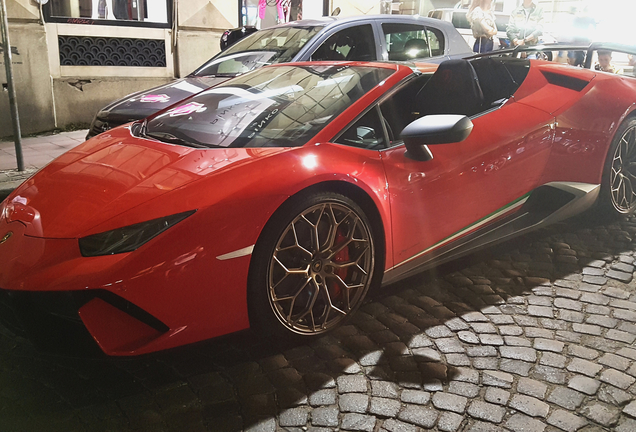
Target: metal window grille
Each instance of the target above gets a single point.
(104, 51)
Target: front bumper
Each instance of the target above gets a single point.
(126, 304)
(58, 322)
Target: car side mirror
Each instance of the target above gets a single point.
(434, 129)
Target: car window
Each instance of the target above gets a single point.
(399, 109)
(435, 41)
(268, 46)
(272, 107)
(405, 41)
(381, 127)
(459, 20)
(352, 44)
(365, 133)
(235, 64)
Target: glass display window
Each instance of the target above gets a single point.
(268, 13)
(147, 13)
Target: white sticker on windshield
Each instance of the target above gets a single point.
(187, 87)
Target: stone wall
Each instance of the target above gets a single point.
(201, 24)
(32, 80)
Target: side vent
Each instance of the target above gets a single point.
(576, 84)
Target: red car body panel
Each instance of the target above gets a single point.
(586, 128)
(172, 277)
(468, 180)
(545, 133)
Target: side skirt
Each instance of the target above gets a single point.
(550, 203)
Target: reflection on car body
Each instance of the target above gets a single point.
(364, 38)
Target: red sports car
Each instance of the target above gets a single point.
(277, 199)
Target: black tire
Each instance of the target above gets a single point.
(618, 185)
(312, 266)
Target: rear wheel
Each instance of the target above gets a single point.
(312, 267)
(618, 190)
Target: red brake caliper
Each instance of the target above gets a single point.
(343, 256)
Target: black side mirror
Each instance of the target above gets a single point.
(434, 129)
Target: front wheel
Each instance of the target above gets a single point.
(312, 267)
(618, 190)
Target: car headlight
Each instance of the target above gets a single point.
(129, 238)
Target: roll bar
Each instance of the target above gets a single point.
(589, 49)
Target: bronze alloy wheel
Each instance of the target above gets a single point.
(623, 172)
(321, 267)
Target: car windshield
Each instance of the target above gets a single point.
(274, 107)
(264, 47)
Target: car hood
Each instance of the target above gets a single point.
(109, 175)
(142, 104)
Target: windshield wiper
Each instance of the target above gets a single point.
(225, 75)
(172, 139)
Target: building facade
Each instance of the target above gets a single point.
(72, 57)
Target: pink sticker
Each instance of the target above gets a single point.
(155, 98)
(188, 108)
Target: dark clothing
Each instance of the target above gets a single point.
(483, 44)
(120, 9)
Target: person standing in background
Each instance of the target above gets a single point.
(526, 24)
(605, 63)
(482, 23)
(296, 10)
(262, 6)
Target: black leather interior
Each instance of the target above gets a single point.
(453, 89)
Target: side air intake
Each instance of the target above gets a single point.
(576, 84)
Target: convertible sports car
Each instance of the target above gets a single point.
(277, 199)
(360, 38)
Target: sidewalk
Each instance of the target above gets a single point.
(37, 152)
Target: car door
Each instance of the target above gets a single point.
(465, 184)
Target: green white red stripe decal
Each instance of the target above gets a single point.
(508, 208)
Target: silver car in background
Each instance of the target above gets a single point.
(360, 38)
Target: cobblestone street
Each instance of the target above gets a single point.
(535, 335)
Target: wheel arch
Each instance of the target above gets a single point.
(351, 191)
(364, 200)
(605, 201)
(629, 113)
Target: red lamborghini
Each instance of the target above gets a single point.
(276, 199)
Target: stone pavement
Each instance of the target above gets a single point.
(535, 335)
(37, 152)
